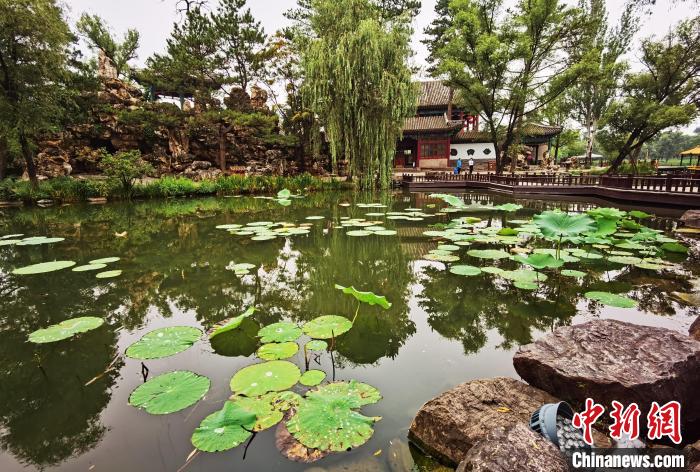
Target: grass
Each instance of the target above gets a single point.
(69, 190)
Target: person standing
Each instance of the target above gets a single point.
(471, 166)
(459, 165)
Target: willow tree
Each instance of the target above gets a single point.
(358, 83)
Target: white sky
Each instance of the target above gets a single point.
(154, 19)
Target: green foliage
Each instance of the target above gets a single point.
(65, 329)
(663, 95)
(125, 168)
(230, 324)
(259, 379)
(224, 429)
(164, 342)
(170, 392)
(98, 37)
(558, 225)
(365, 297)
(358, 84)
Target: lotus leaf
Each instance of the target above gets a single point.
(448, 247)
(65, 329)
(264, 408)
(44, 267)
(560, 225)
(164, 342)
(630, 245)
(466, 270)
(524, 276)
(328, 326)
(311, 378)
(365, 297)
(36, 241)
(9, 242)
(325, 420)
(540, 261)
(170, 392)
(284, 194)
(259, 379)
(441, 258)
(229, 226)
(225, 429)
(386, 232)
(611, 299)
(607, 213)
(508, 207)
(640, 215)
(625, 260)
(507, 232)
(276, 351)
(359, 233)
(451, 200)
(357, 394)
(675, 248)
(523, 285)
(230, 324)
(89, 267)
(240, 342)
(316, 345)
(492, 270)
(106, 260)
(494, 254)
(110, 274)
(573, 273)
(279, 332)
(315, 217)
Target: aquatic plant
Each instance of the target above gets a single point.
(224, 429)
(259, 379)
(65, 329)
(164, 342)
(231, 323)
(170, 392)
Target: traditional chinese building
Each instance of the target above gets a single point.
(442, 132)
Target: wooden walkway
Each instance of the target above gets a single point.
(671, 190)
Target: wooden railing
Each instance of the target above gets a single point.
(671, 183)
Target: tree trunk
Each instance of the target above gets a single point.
(222, 149)
(592, 129)
(624, 152)
(556, 152)
(3, 158)
(28, 155)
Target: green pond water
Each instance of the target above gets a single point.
(64, 406)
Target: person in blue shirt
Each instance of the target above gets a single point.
(459, 166)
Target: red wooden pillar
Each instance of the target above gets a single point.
(418, 146)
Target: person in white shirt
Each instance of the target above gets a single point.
(471, 166)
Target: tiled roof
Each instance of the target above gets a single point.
(434, 94)
(472, 137)
(429, 123)
(538, 129)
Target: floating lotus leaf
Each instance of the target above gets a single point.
(508, 207)
(284, 194)
(640, 215)
(494, 254)
(259, 379)
(170, 392)
(573, 273)
(287, 400)
(434, 234)
(507, 232)
(630, 245)
(225, 429)
(276, 351)
(279, 332)
(523, 285)
(44, 267)
(492, 270)
(229, 226)
(266, 412)
(106, 260)
(316, 345)
(325, 420)
(611, 299)
(607, 213)
(311, 378)
(448, 247)
(386, 232)
(36, 241)
(524, 276)
(328, 326)
(314, 218)
(540, 261)
(164, 342)
(466, 270)
(675, 248)
(260, 224)
(604, 227)
(65, 329)
(441, 257)
(243, 266)
(359, 233)
(625, 260)
(560, 225)
(365, 297)
(110, 274)
(89, 267)
(230, 324)
(9, 242)
(264, 237)
(356, 393)
(463, 243)
(11, 236)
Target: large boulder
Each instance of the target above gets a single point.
(448, 426)
(514, 448)
(694, 330)
(611, 360)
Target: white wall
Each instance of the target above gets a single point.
(463, 148)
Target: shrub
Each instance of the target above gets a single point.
(124, 168)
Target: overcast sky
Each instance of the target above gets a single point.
(154, 19)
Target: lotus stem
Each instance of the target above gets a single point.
(356, 313)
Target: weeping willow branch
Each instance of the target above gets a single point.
(359, 84)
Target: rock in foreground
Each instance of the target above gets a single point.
(515, 448)
(448, 426)
(611, 360)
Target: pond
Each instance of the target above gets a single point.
(65, 405)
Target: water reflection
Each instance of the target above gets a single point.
(175, 262)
